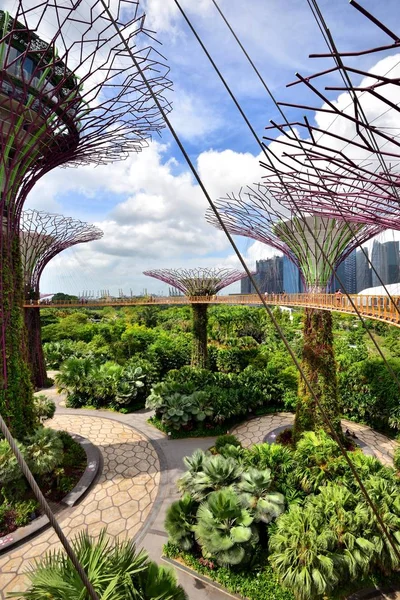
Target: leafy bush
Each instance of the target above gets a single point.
(170, 351)
(396, 458)
(112, 568)
(370, 394)
(179, 410)
(224, 440)
(10, 471)
(44, 451)
(216, 472)
(224, 528)
(44, 407)
(179, 522)
(25, 512)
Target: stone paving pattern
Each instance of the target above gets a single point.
(255, 430)
(121, 499)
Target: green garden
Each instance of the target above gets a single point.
(282, 521)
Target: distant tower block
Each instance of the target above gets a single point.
(42, 237)
(74, 98)
(198, 282)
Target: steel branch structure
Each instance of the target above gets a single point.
(70, 95)
(42, 237)
(254, 213)
(198, 283)
(347, 163)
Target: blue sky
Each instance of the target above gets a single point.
(149, 206)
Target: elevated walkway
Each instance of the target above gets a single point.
(380, 308)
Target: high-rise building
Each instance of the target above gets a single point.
(292, 282)
(268, 277)
(379, 260)
(345, 275)
(393, 261)
(363, 271)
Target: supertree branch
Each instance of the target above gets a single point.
(198, 282)
(42, 237)
(77, 97)
(70, 95)
(313, 243)
(348, 162)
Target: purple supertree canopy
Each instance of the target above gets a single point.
(42, 237)
(70, 93)
(348, 163)
(198, 281)
(314, 244)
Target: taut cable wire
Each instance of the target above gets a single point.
(249, 274)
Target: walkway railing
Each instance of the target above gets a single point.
(381, 308)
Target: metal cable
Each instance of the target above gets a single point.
(47, 510)
(249, 274)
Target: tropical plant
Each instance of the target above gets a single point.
(257, 496)
(74, 376)
(216, 472)
(44, 407)
(10, 470)
(129, 384)
(224, 440)
(302, 553)
(179, 522)
(224, 528)
(314, 456)
(44, 451)
(179, 410)
(116, 570)
(396, 458)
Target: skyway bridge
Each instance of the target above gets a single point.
(380, 308)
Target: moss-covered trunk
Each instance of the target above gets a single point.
(16, 392)
(318, 362)
(35, 349)
(199, 349)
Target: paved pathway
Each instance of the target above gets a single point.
(255, 431)
(138, 483)
(121, 499)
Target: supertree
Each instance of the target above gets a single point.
(348, 163)
(72, 97)
(202, 283)
(316, 245)
(42, 237)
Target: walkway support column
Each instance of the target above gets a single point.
(199, 329)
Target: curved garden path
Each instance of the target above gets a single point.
(120, 500)
(137, 484)
(254, 432)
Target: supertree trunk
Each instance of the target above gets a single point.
(319, 366)
(16, 393)
(35, 349)
(199, 350)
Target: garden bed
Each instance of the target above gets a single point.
(210, 429)
(63, 487)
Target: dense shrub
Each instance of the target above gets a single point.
(226, 440)
(116, 570)
(44, 451)
(109, 384)
(226, 395)
(369, 393)
(170, 351)
(328, 534)
(44, 407)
